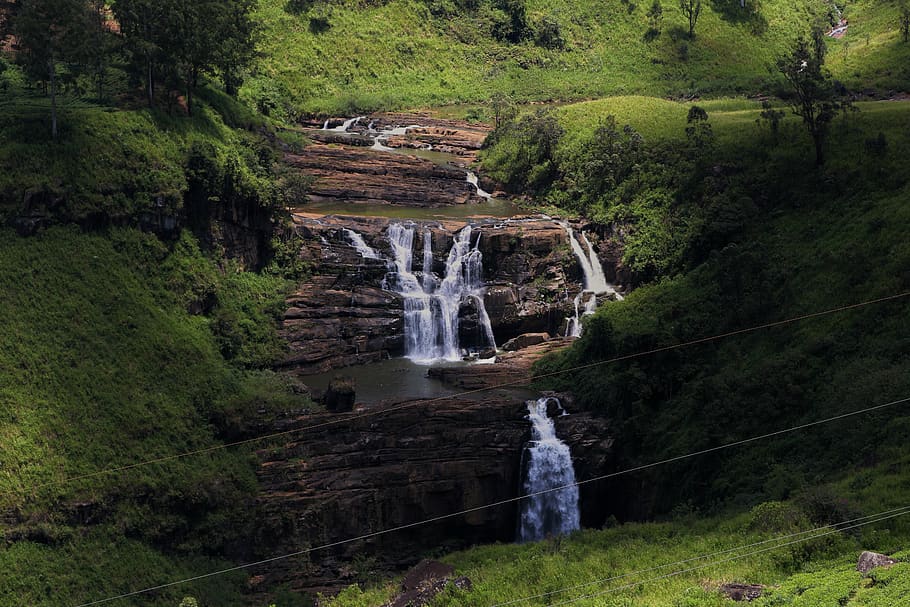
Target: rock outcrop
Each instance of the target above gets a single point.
(352, 174)
(871, 560)
(342, 316)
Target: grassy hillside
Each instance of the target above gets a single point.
(342, 58)
(102, 366)
(810, 573)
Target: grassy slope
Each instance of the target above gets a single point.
(399, 55)
(815, 573)
(101, 366)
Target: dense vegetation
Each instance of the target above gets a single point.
(104, 366)
(727, 233)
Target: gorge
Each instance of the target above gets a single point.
(440, 292)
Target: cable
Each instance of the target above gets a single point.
(348, 418)
(727, 560)
(492, 505)
(903, 509)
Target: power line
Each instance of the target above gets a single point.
(906, 510)
(835, 526)
(493, 505)
(520, 382)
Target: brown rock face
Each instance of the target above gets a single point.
(410, 463)
(524, 340)
(352, 174)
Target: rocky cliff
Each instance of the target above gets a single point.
(341, 316)
(407, 463)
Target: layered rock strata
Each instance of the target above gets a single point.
(409, 462)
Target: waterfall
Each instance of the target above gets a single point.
(347, 124)
(547, 464)
(429, 279)
(362, 247)
(595, 281)
(472, 179)
(431, 306)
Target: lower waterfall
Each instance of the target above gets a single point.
(547, 464)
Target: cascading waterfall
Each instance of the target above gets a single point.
(595, 281)
(365, 250)
(547, 464)
(344, 127)
(431, 306)
(472, 179)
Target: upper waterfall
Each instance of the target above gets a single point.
(548, 479)
(432, 305)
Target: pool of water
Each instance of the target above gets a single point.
(495, 207)
(400, 379)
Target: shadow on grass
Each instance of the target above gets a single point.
(742, 12)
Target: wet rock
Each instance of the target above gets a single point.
(523, 341)
(339, 396)
(742, 592)
(870, 560)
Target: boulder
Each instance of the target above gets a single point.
(742, 592)
(523, 341)
(870, 560)
(339, 396)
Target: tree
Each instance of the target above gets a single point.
(814, 96)
(141, 25)
(180, 40)
(698, 129)
(691, 9)
(655, 16)
(904, 21)
(49, 32)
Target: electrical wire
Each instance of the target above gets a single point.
(835, 526)
(515, 383)
(493, 505)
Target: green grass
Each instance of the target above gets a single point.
(102, 366)
(412, 53)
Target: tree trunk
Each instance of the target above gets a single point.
(151, 82)
(52, 70)
(819, 149)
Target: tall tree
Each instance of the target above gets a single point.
(815, 99)
(141, 23)
(691, 9)
(49, 32)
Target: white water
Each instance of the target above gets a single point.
(365, 250)
(344, 127)
(431, 305)
(547, 464)
(595, 281)
(472, 179)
